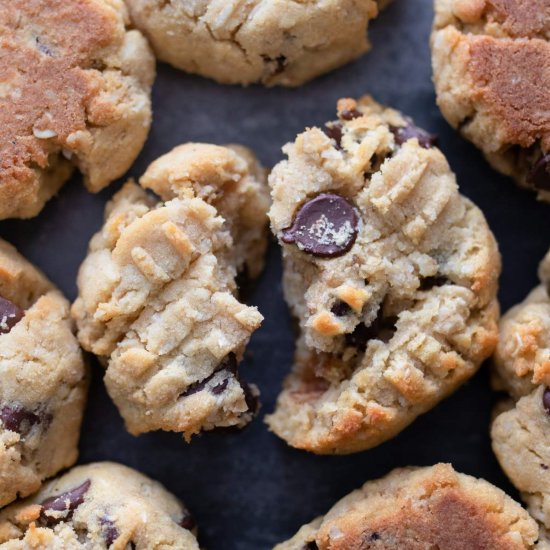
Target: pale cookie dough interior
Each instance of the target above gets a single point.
(157, 293)
(491, 66)
(99, 506)
(521, 432)
(421, 509)
(256, 41)
(76, 86)
(402, 308)
(44, 380)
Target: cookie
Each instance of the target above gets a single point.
(421, 509)
(520, 431)
(258, 41)
(76, 87)
(157, 293)
(43, 379)
(99, 506)
(391, 273)
(491, 69)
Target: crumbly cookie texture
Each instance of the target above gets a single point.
(99, 506)
(44, 380)
(520, 431)
(76, 86)
(256, 41)
(157, 290)
(491, 68)
(391, 273)
(421, 509)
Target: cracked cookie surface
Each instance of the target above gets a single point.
(491, 67)
(76, 85)
(271, 42)
(43, 379)
(391, 273)
(421, 509)
(99, 506)
(522, 368)
(157, 290)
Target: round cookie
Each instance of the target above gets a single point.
(391, 273)
(421, 509)
(44, 380)
(259, 41)
(491, 69)
(157, 290)
(520, 431)
(99, 506)
(76, 86)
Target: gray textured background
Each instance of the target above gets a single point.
(248, 490)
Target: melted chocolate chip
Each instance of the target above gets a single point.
(109, 530)
(427, 283)
(546, 399)
(539, 176)
(187, 521)
(325, 226)
(65, 502)
(334, 131)
(411, 131)
(350, 114)
(228, 364)
(20, 420)
(10, 315)
(382, 328)
(340, 309)
(220, 388)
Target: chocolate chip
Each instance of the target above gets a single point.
(280, 62)
(382, 328)
(374, 536)
(187, 521)
(411, 131)
(10, 315)
(310, 546)
(65, 502)
(19, 420)
(543, 466)
(109, 530)
(334, 131)
(340, 309)
(427, 283)
(546, 400)
(350, 114)
(539, 176)
(220, 388)
(228, 364)
(325, 226)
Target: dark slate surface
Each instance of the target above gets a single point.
(248, 490)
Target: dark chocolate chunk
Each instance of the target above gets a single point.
(334, 131)
(18, 419)
(340, 309)
(350, 114)
(229, 364)
(539, 176)
(427, 283)
(411, 131)
(382, 328)
(109, 530)
(546, 399)
(187, 521)
(326, 226)
(65, 502)
(10, 315)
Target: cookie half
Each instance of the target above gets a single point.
(491, 68)
(520, 431)
(99, 506)
(269, 42)
(76, 87)
(43, 380)
(157, 292)
(421, 509)
(391, 273)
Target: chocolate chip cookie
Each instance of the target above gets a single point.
(258, 41)
(521, 429)
(157, 293)
(421, 509)
(491, 66)
(76, 86)
(99, 506)
(391, 273)
(43, 379)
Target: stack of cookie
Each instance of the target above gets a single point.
(391, 274)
